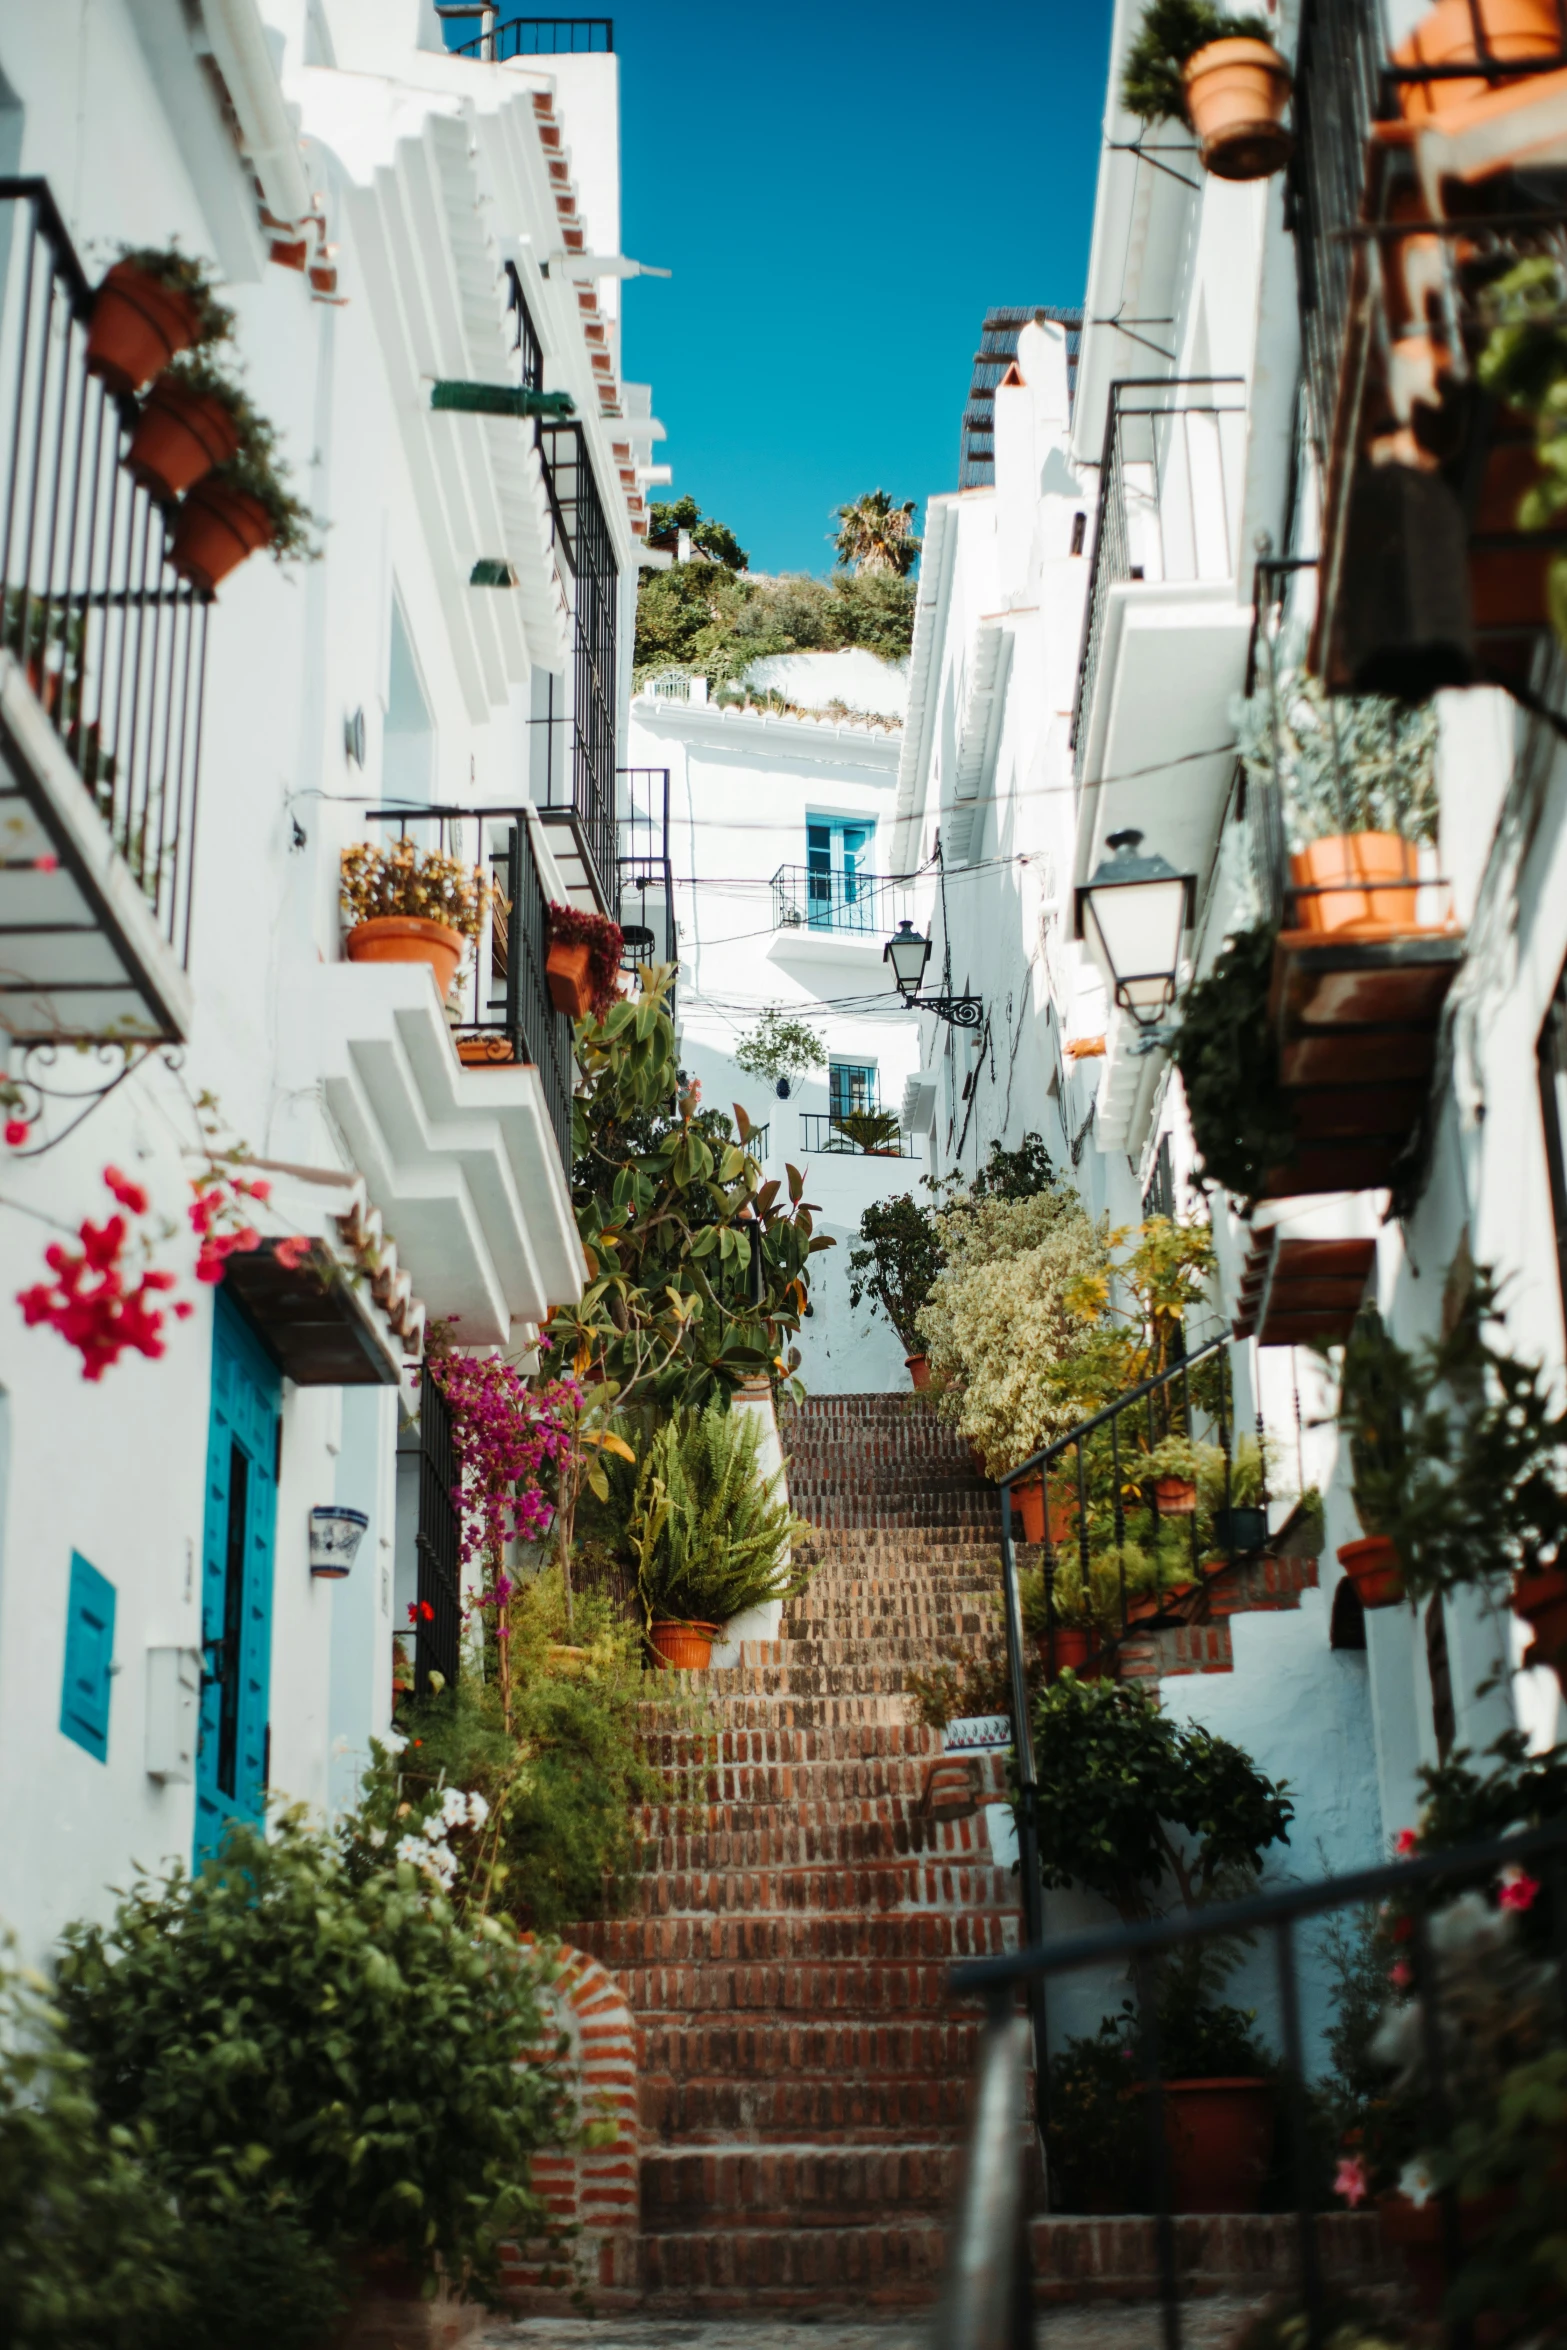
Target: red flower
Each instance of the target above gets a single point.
(130, 1195)
(293, 1251)
(1517, 1889)
(16, 1132)
(420, 1609)
(1406, 1842)
(48, 863)
(1401, 1974)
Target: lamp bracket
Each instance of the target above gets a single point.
(960, 1011)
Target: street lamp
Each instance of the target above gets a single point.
(908, 953)
(1133, 915)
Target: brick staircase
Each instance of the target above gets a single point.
(804, 2077)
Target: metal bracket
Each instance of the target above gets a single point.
(960, 1011)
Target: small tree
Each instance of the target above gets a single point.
(898, 1262)
(875, 535)
(780, 1049)
(667, 519)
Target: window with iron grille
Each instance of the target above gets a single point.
(590, 552)
(851, 1085)
(1159, 1198)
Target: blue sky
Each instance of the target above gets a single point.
(842, 188)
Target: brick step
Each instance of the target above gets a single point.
(788, 1844)
(879, 2267)
(1117, 2259)
(733, 2108)
(792, 1938)
(718, 1815)
(887, 1648)
(867, 1891)
(909, 1547)
(796, 2187)
(763, 1787)
(762, 1737)
(811, 2049)
(900, 1986)
(807, 1696)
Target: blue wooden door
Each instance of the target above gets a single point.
(236, 1579)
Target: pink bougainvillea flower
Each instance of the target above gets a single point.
(1406, 1842)
(130, 1195)
(47, 863)
(16, 1132)
(1516, 1889)
(1401, 1974)
(292, 1251)
(1350, 2180)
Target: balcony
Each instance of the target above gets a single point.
(102, 659)
(863, 1133)
(529, 36)
(645, 877)
(1165, 635)
(459, 1114)
(575, 793)
(1414, 188)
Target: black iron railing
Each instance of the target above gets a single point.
(865, 1133)
(436, 1623)
(807, 900)
(538, 36)
(986, 2300)
(646, 880)
(113, 642)
(1338, 86)
(1168, 499)
(578, 785)
(503, 1015)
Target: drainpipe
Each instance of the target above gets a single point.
(239, 45)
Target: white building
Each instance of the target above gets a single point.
(383, 217)
(1090, 617)
(787, 887)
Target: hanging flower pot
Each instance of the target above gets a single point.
(183, 433)
(1514, 30)
(566, 969)
(1236, 93)
(919, 1370)
(138, 325)
(335, 1536)
(1540, 1597)
(685, 1648)
(1372, 1565)
(1380, 873)
(408, 938)
(1220, 2139)
(220, 527)
(1176, 1497)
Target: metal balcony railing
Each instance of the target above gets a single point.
(646, 881)
(577, 792)
(533, 36)
(502, 1010)
(1169, 501)
(807, 900)
(1338, 86)
(112, 641)
(866, 1133)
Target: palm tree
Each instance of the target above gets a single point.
(876, 535)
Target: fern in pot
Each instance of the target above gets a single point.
(710, 1534)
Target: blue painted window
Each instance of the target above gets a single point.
(89, 1659)
(839, 890)
(851, 1085)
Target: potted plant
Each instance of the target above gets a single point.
(194, 418)
(1138, 1807)
(1514, 30)
(874, 1132)
(1057, 1518)
(898, 1258)
(411, 905)
(582, 967)
(151, 306)
(1356, 775)
(1171, 1468)
(1241, 1522)
(710, 1536)
(1221, 74)
(238, 508)
(1522, 365)
(1242, 1121)
(1066, 1631)
(780, 1049)
(1376, 1393)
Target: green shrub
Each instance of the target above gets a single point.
(332, 2031)
(709, 1535)
(898, 1262)
(1242, 1122)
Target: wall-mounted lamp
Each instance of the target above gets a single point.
(1132, 916)
(908, 952)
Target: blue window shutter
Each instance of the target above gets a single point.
(89, 1657)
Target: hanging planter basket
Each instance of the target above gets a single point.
(335, 1535)
(219, 528)
(1515, 30)
(409, 938)
(181, 436)
(138, 325)
(566, 969)
(1372, 1565)
(1236, 94)
(1176, 1497)
(1379, 870)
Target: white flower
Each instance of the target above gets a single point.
(454, 1807)
(478, 1810)
(1415, 2181)
(411, 1849)
(377, 1838)
(435, 1827)
(440, 1862)
(393, 1741)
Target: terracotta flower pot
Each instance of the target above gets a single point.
(219, 528)
(1514, 29)
(1387, 865)
(1220, 2138)
(409, 938)
(485, 1052)
(1372, 1565)
(1074, 1646)
(1540, 1597)
(566, 969)
(1236, 93)
(138, 325)
(1176, 1497)
(181, 436)
(685, 1648)
(919, 1369)
(1029, 1495)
